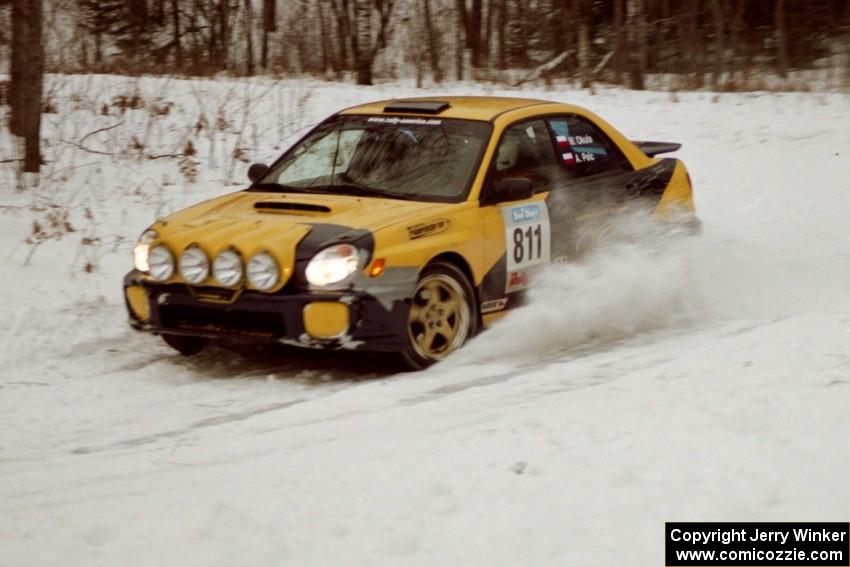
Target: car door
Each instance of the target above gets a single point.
(596, 181)
(518, 231)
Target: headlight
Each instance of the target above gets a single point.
(142, 249)
(194, 265)
(263, 273)
(227, 268)
(333, 265)
(161, 263)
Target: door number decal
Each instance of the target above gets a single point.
(527, 241)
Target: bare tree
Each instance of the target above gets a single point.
(366, 48)
(362, 41)
(343, 33)
(224, 33)
(460, 43)
(581, 10)
(636, 43)
(248, 20)
(502, 25)
(781, 39)
(433, 42)
(27, 72)
(718, 14)
(270, 25)
(178, 51)
(470, 25)
(724, 41)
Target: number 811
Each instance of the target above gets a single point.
(532, 233)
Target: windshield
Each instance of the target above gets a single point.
(428, 159)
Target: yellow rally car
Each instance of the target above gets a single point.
(402, 226)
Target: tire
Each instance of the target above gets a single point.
(187, 346)
(443, 315)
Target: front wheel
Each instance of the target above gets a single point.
(442, 316)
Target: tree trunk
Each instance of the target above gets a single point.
(160, 13)
(488, 35)
(344, 35)
(502, 25)
(523, 33)
(660, 36)
(98, 50)
(636, 47)
(781, 39)
(224, 34)
(27, 76)
(270, 25)
(719, 42)
(473, 32)
(697, 43)
(621, 45)
(249, 38)
(460, 44)
(363, 37)
(196, 44)
(433, 42)
(324, 37)
(581, 10)
(385, 9)
(462, 38)
(139, 22)
(178, 51)
(690, 43)
(517, 34)
(735, 37)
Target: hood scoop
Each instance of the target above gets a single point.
(291, 208)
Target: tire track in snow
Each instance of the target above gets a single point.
(198, 425)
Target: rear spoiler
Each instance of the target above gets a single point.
(652, 149)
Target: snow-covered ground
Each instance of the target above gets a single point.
(698, 380)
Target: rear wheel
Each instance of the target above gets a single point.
(442, 315)
(187, 346)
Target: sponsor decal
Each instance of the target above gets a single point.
(494, 305)
(526, 213)
(397, 120)
(427, 229)
(517, 280)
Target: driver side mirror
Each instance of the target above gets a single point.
(511, 189)
(257, 171)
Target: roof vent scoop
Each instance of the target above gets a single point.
(417, 106)
(294, 208)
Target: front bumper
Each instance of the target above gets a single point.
(328, 319)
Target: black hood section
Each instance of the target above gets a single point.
(320, 237)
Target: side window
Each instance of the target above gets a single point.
(584, 149)
(526, 151)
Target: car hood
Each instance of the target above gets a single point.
(251, 222)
